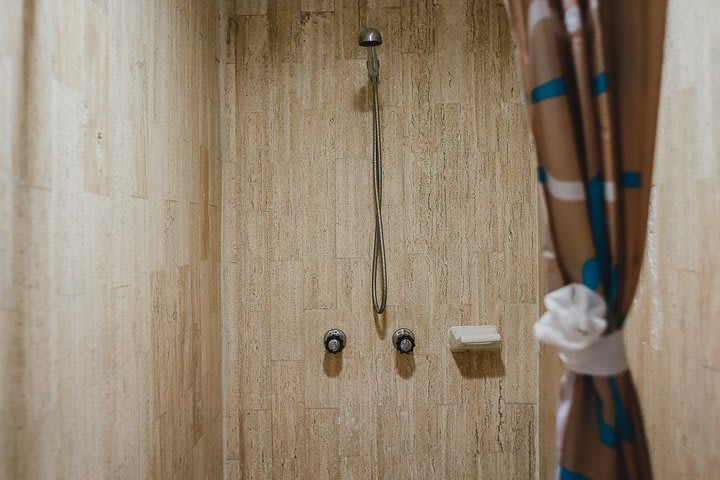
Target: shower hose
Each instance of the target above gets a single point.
(379, 246)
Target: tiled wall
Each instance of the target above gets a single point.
(459, 200)
(109, 240)
(673, 332)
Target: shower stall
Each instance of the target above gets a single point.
(319, 217)
(194, 193)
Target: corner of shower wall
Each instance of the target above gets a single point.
(11, 76)
(227, 28)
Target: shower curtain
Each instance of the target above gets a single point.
(591, 71)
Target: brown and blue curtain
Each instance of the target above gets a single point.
(591, 72)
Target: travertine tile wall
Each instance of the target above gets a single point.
(10, 62)
(673, 332)
(110, 350)
(459, 201)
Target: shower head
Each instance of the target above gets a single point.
(370, 37)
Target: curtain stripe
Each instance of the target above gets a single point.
(598, 225)
(610, 194)
(565, 190)
(538, 11)
(573, 21)
(610, 190)
(608, 435)
(566, 474)
(622, 419)
(569, 191)
(545, 91)
(600, 84)
(541, 174)
(591, 273)
(631, 179)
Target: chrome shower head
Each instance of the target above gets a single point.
(370, 37)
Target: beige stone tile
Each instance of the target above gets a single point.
(394, 438)
(251, 7)
(317, 5)
(519, 353)
(518, 435)
(251, 57)
(356, 468)
(356, 414)
(286, 21)
(459, 439)
(256, 460)
(286, 315)
(321, 458)
(288, 409)
(418, 27)
(353, 200)
(286, 469)
(97, 171)
(319, 50)
(253, 167)
(319, 263)
(452, 58)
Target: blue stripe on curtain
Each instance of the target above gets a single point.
(599, 84)
(631, 179)
(598, 225)
(566, 474)
(591, 273)
(541, 175)
(544, 91)
(608, 435)
(622, 420)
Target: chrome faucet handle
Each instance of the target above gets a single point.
(334, 340)
(404, 340)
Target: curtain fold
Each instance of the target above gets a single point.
(591, 73)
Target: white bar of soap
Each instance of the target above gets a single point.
(473, 338)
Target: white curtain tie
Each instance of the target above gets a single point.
(574, 323)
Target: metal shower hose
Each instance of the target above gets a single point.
(379, 246)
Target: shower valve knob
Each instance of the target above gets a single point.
(404, 340)
(334, 340)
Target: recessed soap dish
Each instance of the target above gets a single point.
(474, 338)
